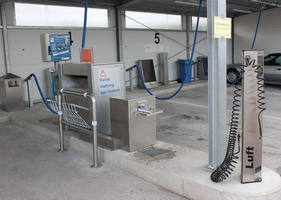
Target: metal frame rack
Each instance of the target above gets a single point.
(69, 116)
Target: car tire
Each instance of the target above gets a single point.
(232, 76)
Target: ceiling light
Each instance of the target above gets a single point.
(242, 11)
(188, 3)
(267, 3)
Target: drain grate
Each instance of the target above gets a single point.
(153, 152)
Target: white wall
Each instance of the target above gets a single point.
(133, 45)
(202, 47)
(134, 42)
(25, 51)
(269, 35)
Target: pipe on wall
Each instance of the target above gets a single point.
(5, 39)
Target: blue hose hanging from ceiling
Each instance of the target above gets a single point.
(253, 45)
(85, 24)
(190, 63)
(257, 28)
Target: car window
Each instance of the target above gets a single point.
(269, 60)
(278, 60)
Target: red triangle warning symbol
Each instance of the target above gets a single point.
(102, 74)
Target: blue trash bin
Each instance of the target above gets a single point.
(185, 69)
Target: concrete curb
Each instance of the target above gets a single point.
(184, 173)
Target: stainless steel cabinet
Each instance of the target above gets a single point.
(133, 122)
(11, 92)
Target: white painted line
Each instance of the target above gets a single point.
(190, 104)
(274, 93)
(270, 117)
(203, 106)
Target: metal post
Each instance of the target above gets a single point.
(217, 113)
(232, 40)
(61, 133)
(5, 39)
(131, 80)
(30, 93)
(94, 131)
(93, 117)
(119, 34)
(187, 23)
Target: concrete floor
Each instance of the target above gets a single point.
(185, 122)
(31, 169)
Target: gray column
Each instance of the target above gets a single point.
(217, 94)
(232, 40)
(187, 20)
(119, 35)
(5, 39)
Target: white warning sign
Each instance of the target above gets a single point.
(109, 81)
(102, 74)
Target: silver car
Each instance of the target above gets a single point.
(272, 70)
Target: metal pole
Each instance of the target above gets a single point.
(232, 40)
(5, 39)
(187, 23)
(119, 34)
(131, 80)
(94, 130)
(29, 91)
(217, 93)
(93, 117)
(61, 133)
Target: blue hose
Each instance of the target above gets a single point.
(53, 86)
(41, 94)
(253, 45)
(85, 24)
(257, 28)
(190, 63)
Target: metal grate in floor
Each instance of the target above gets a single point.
(153, 152)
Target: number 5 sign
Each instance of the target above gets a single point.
(157, 38)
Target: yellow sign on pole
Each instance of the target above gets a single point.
(222, 27)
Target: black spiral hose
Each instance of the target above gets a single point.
(261, 91)
(228, 164)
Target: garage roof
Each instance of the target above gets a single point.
(234, 7)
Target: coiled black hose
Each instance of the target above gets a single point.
(227, 166)
(261, 91)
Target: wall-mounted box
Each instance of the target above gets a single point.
(55, 47)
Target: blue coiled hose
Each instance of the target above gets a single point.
(190, 63)
(41, 93)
